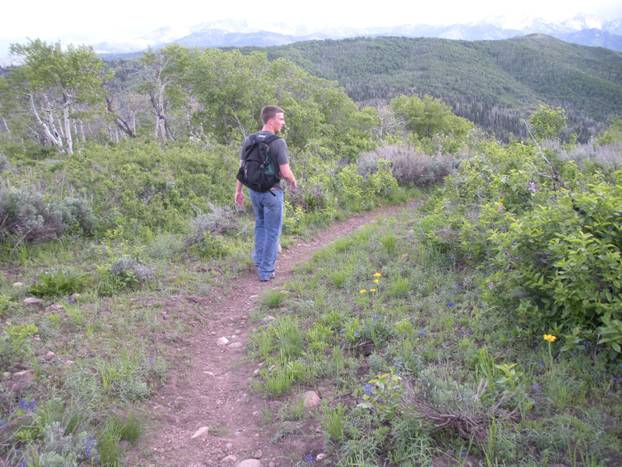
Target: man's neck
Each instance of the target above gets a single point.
(267, 128)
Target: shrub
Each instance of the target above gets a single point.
(207, 230)
(58, 283)
(4, 163)
(26, 214)
(130, 271)
(408, 166)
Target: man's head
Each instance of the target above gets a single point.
(273, 118)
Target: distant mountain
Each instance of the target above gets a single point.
(583, 30)
(594, 38)
(493, 83)
(222, 38)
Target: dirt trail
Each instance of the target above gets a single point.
(213, 390)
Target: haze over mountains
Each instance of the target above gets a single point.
(584, 30)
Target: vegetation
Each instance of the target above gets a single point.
(482, 328)
(486, 326)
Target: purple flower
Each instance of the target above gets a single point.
(423, 333)
(450, 304)
(533, 187)
(89, 444)
(491, 285)
(309, 458)
(27, 406)
(3, 423)
(369, 389)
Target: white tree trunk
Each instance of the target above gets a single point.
(5, 125)
(50, 132)
(68, 137)
(82, 134)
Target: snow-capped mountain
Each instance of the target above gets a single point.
(584, 30)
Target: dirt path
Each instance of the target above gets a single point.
(214, 391)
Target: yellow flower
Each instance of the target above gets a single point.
(363, 291)
(376, 281)
(550, 338)
(377, 274)
(373, 290)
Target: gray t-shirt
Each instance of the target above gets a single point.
(278, 150)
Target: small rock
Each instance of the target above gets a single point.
(256, 372)
(258, 454)
(209, 373)
(250, 463)
(321, 456)
(229, 459)
(22, 380)
(272, 464)
(229, 446)
(6, 375)
(236, 345)
(69, 362)
(32, 301)
(73, 298)
(310, 399)
(50, 355)
(269, 318)
(18, 284)
(222, 341)
(201, 431)
(54, 307)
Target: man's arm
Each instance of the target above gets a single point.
(239, 194)
(288, 175)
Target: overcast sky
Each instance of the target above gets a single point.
(79, 21)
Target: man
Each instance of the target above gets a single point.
(268, 206)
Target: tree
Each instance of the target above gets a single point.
(164, 77)
(548, 122)
(57, 81)
(430, 118)
(612, 134)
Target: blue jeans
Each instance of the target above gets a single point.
(268, 209)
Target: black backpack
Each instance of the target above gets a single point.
(258, 170)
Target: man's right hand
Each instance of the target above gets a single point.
(239, 199)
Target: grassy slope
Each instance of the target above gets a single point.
(395, 364)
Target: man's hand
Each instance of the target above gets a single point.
(239, 199)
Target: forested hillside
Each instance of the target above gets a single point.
(493, 83)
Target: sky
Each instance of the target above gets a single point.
(79, 21)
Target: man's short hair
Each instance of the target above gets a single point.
(270, 111)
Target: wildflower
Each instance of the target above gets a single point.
(373, 290)
(533, 187)
(89, 444)
(309, 458)
(423, 333)
(550, 338)
(491, 285)
(363, 291)
(376, 281)
(3, 423)
(450, 304)
(368, 389)
(27, 406)
(377, 275)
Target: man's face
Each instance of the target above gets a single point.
(278, 122)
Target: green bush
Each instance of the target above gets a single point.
(546, 234)
(59, 283)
